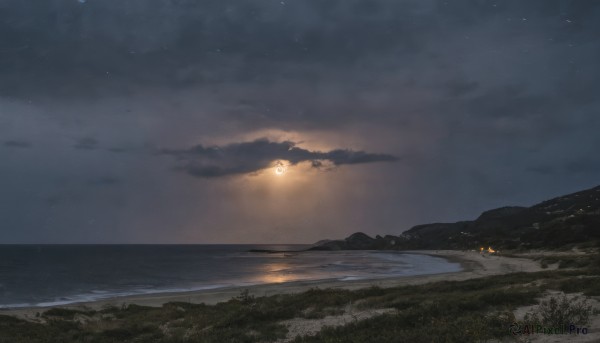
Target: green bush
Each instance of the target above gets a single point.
(560, 310)
(589, 285)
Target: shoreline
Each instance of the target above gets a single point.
(473, 265)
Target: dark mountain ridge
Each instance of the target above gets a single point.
(566, 220)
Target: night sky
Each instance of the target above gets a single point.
(164, 121)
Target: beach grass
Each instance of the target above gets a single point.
(473, 310)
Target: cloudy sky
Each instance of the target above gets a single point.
(164, 121)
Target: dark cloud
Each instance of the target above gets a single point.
(73, 48)
(582, 165)
(249, 157)
(104, 181)
(70, 48)
(457, 88)
(568, 167)
(117, 150)
(17, 144)
(86, 144)
(542, 170)
(509, 101)
(495, 103)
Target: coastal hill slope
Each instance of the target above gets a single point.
(566, 220)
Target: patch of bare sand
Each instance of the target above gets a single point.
(546, 253)
(593, 327)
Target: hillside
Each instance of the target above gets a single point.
(565, 220)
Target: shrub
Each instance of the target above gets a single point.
(245, 297)
(559, 311)
(588, 285)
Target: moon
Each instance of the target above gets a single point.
(280, 167)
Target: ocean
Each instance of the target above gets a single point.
(46, 275)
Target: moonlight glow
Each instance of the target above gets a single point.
(280, 168)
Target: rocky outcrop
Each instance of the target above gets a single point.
(359, 241)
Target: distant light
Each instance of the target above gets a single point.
(82, 1)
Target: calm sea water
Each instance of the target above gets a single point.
(43, 275)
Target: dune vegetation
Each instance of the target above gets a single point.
(473, 310)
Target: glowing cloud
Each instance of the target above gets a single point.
(249, 157)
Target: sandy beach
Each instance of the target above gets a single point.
(474, 265)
